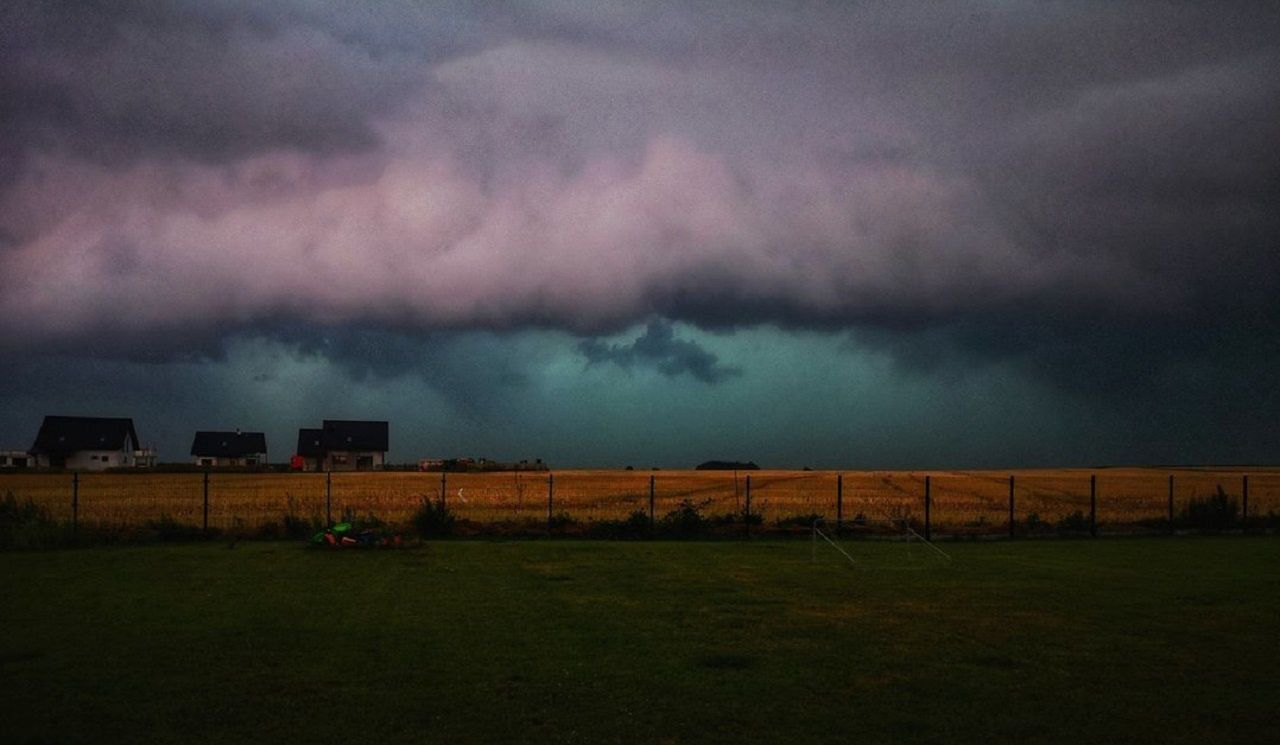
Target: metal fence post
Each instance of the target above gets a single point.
(444, 475)
(75, 504)
(1170, 503)
(328, 497)
(1011, 513)
(746, 516)
(1093, 505)
(205, 523)
(928, 499)
(551, 484)
(652, 523)
(1244, 503)
(839, 502)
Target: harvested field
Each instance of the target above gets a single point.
(961, 501)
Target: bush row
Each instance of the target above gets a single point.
(26, 525)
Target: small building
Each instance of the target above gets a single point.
(309, 453)
(145, 457)
(86, 443)
(16, 459)
(343, 445)
(473, 465)
(220, 449)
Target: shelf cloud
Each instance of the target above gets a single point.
(1006, 181)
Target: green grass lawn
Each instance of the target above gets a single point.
(1168, 640)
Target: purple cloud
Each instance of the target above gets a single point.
(195, 169)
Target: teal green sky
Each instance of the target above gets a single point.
(779, 397)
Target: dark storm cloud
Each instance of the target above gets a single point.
(1086, 190)
(116, 81)
(477, 372)
(659, 349)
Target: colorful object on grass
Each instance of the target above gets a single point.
(343, 535)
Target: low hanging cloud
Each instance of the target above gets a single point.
(659, 349)
(176, 173)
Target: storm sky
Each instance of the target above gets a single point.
(846, 234)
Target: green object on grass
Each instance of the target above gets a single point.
(341, 528)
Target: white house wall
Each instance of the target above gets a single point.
(219, 461)
(99, 460)
(347, 460)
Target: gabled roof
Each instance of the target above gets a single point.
(341, 434)
(228, 444)
(64, 435)
(309, 445)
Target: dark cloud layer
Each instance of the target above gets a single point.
(1085, 191)
(659, 348)
(118, 81)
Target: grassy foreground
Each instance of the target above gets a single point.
(1169, 640)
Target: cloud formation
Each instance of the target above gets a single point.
(659, 348)
(1016, 176)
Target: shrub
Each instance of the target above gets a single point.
(294, 525)
(1032, 523)
(1218, 511)
(25, 525)
(686, 520)
(1076, 522)
(168, 529)
(370, 521)
(271, 530)
(561, 521)
(800, 521)
(302, 528)
(434, 518)
(635, 526)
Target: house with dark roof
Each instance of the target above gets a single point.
(87, 443)
(342, 445)
(218, 449)
(309, 453)
(16, 459)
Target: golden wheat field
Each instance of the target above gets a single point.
(961, 501)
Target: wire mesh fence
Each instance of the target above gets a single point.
(953, 503)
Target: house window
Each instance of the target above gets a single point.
(206, 461)
(251, 461)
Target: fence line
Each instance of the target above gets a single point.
(1027, 502)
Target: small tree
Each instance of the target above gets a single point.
(1218, 511)
(433, 519)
